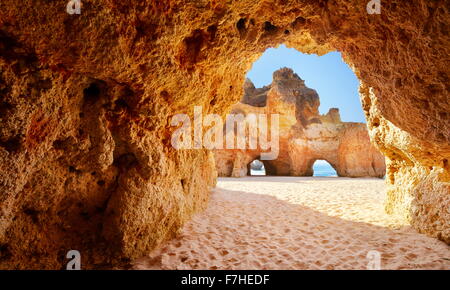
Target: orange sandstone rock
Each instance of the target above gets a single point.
(85, 104)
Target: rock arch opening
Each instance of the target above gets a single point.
(310, 126)
(324, 168)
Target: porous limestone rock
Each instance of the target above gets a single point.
(86, 101)
(305, 135)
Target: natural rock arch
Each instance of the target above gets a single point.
(95, 171)
(304, 134)
(259, 166)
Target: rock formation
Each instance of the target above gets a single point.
(305, 135)
(85, 103)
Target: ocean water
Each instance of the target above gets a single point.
(320, 167)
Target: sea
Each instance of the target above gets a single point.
(323, 168)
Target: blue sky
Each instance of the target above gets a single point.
(333, 79)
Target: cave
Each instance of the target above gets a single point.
(86, 99)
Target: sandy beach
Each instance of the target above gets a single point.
(297, 223)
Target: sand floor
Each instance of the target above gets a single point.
(298, 223)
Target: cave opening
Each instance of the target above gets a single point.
(171, 64)
(329, 75)
(256, 168)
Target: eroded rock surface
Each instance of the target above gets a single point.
(85, 103)
(305, 135)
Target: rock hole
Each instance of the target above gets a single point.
(91, 94)
(166, 96)
(376, 122)
(85, 214)
(366, 103)
(190, 52)
(269, 27)
(256, 167)
(4, 108)
(441, 137)
(184, 184)
(45, 84)
(32, 213)
(212, 31)
(299, 22)
(101, 182)
(72, 169)
(58, 144)
(426, 104)
(434, 89)
(5, 252)
(121, 104)
(393, 6)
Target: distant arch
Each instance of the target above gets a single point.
(322, 167)
(256, 168)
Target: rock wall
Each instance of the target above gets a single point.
(305, 135)
(85, 103)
